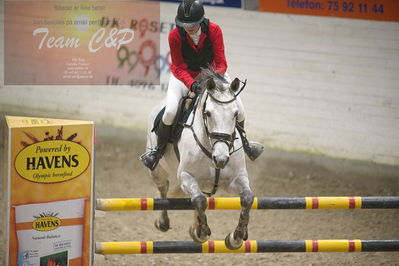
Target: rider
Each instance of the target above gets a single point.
(195, 43)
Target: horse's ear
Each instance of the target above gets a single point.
(210, 84)
(235, 85)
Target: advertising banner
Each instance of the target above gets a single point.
(225, 3)
(81, 43)
(48, 189)
(387, 10)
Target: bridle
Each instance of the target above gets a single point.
(216, 136)
(244, 83)
(228, 139)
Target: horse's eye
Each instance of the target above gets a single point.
(236, 114)
(208, 114)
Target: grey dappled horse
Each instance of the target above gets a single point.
(209, 150)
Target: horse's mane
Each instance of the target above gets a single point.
(210, 72)
(221, 91)
(207, 73)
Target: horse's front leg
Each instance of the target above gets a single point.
(235, 239)
(200, 230)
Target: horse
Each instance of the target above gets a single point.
(211, 157)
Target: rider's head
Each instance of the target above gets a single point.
(190, 14)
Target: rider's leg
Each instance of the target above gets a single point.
(176, 90)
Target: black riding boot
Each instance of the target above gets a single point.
(151, 158)
(252, 149)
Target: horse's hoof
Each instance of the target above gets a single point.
(231, 243)
(195, 237)
(163, 227)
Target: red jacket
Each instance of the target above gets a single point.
(179, 68)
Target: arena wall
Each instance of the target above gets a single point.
(319, 85)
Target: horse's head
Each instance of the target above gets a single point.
(220, 112)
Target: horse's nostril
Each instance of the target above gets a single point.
(220, 161)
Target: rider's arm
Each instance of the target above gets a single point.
(179, 67)
(216, 36)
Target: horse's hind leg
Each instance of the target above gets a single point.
(235, 239)
(160, 178)
(200, 230)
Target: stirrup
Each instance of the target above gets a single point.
(254, 150)
(150, 159)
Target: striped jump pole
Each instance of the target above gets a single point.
(233, 203)
(250, 246)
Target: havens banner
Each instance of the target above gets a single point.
(81, 43)
(387, 10)
(49, 191)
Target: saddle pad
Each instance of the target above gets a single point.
(182, 116)
(157, 121)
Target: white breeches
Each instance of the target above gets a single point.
(177, 90)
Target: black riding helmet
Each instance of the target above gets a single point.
(189, 13)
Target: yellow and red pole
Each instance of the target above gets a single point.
(233, 203)
(249, 246)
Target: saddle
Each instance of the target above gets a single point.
(186, 106)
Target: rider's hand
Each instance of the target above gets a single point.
(196, 87)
